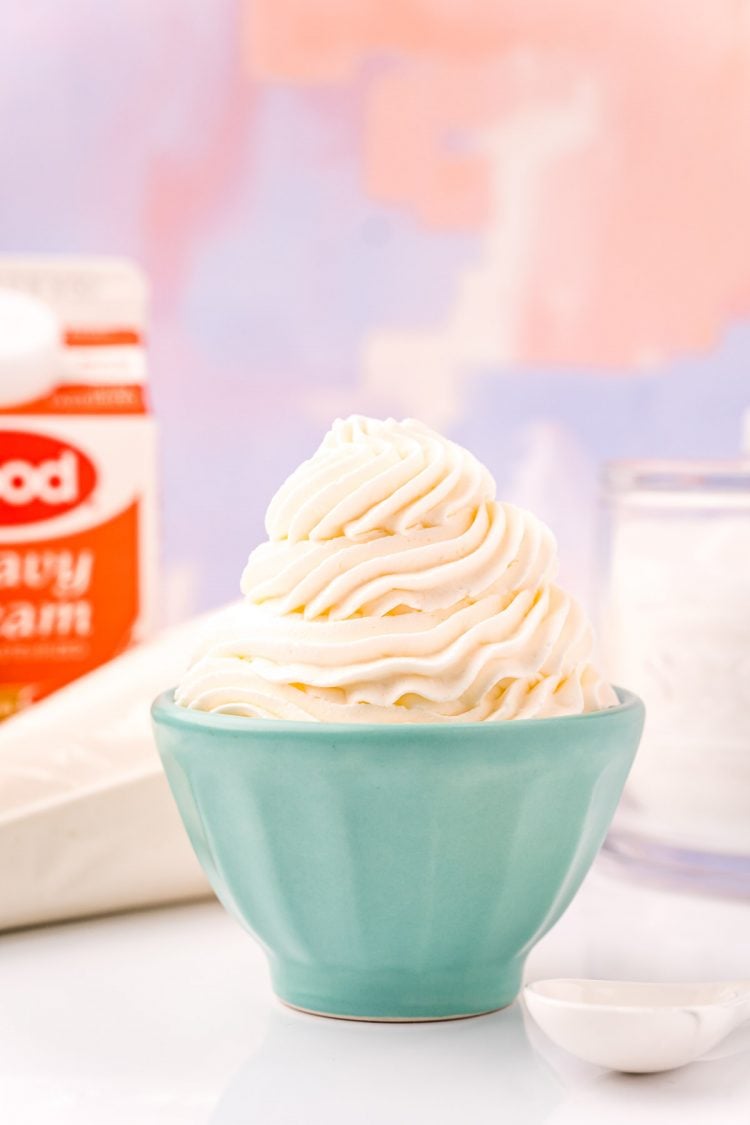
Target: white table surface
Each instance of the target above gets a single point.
(168, 1017)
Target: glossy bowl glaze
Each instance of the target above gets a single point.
(397, 872)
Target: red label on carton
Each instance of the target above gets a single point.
(77, 551)
(68, 603)
(41, 477)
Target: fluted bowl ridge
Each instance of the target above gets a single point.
(397, 871)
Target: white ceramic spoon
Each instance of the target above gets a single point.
(634, 1027)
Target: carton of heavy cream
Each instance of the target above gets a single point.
(77, 475)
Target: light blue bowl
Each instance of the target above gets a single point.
(397, 872)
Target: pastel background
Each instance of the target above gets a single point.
(525, 221)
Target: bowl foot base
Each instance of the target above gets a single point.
(390, 1019)
(392, 996)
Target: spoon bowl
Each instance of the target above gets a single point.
(637, 1027)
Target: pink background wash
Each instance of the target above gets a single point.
(525, 221)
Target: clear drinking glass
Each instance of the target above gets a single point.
(675, 628)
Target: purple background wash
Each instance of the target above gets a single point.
(140, 129)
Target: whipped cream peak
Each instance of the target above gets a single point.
(373, 477)
(394, 587)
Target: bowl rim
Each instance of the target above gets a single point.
(164, 710)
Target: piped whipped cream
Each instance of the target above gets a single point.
(393, 588)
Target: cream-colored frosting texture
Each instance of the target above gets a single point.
(393, 588)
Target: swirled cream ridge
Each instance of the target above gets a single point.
(393, 588)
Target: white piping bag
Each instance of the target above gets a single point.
(87, 822)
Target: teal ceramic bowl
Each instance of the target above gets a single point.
(397, 872)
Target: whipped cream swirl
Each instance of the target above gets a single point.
(394, 587)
